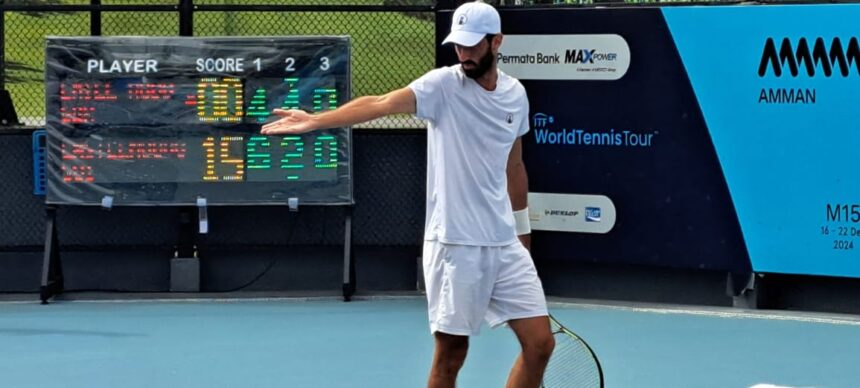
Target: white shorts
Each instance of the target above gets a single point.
(467, 284)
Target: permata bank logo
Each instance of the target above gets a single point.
(801, 61)
(546, 134)
(565, 57)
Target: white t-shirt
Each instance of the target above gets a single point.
(470, 134)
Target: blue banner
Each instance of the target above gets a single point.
(779, 88)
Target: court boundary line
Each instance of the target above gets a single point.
(552, 302)
(207, 299)
(714, 312)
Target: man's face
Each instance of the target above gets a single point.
(476, 60)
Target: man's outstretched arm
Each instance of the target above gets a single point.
(356, 111)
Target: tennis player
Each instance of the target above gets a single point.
(476, 263)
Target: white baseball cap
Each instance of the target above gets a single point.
(472, 22)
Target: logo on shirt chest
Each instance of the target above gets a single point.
(510, 118)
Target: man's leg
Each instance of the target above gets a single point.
(518, 299)
(449, 357)
(537, 343)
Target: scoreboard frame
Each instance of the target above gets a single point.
(142, 155)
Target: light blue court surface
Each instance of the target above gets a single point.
(384, 343)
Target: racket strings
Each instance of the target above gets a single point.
(571, 364)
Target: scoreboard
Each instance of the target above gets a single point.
(166, 121)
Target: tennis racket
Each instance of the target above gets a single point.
(573, 363)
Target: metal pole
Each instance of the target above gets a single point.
(96, 19)
(229, 21)
(186, 17)
(2, 48)
(445, 4)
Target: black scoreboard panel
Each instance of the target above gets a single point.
(165, 121)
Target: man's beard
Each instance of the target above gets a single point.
(480, 68)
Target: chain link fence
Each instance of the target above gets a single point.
(392, 40)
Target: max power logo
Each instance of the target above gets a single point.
(587, 56)
(800, 60)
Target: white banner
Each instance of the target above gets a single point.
(571, 213)
(565, 57)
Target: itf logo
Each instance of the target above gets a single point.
(541, 120)
(592, 214)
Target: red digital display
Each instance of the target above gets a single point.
(151, 91)
(79, 160)
(116, 150)
(78, 97)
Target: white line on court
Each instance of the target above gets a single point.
(291, 299)
(716, 312)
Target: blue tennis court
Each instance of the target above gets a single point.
(384, 342)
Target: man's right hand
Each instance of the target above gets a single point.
(359, 110)
(291, 122)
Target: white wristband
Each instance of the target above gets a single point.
(522, 218)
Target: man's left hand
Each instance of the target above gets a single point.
(526, 240)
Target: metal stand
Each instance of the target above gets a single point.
(8, 117)
(743, 290)
(348, 257)
(185, 264)
(52, 267)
